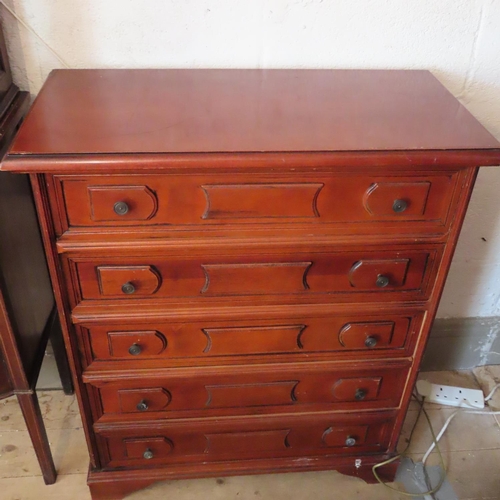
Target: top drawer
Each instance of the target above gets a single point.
(373, 202)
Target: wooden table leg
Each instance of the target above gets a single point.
(36, 428)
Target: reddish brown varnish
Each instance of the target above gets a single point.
(27, 312)
(247, 263)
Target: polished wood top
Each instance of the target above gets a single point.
(232, 111)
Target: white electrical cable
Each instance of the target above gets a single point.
(30, 29)
(452, 416)
(490, 395)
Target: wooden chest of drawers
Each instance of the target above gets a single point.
(247, 263)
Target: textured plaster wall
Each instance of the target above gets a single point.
(458, 40)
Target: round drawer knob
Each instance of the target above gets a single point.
(370, 342)
(360, 394)
(128, 288)
(399, 206)
(142, 406)
(148, 454)
(135, 349)
(120, 208)
(350, 441)
(382, 281)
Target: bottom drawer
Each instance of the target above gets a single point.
(231, 439)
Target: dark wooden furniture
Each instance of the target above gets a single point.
(247, 262)
(27, 313)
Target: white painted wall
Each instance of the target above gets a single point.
(459, 40)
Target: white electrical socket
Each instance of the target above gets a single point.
(449, 395)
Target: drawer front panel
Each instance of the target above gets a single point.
(207, 200)
(359, 335)
(403, 274)
(237, 390)
(236, 439)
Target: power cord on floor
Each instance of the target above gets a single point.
(435, 441)
(403, 454)
(452, 416)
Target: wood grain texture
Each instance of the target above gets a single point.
(208, 340)
(140, 203)
(26, 300)
(34, 422)
(226, 391)
(60, 293)
(261, 201)
(353, 161)
(116, 484)
(178, 201)
(158, 111)
(197, 441)
(23, 270)
(289, 277)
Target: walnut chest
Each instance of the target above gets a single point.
(247, 263)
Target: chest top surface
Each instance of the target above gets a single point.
(243, 111)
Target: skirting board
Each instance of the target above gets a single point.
(462, 343)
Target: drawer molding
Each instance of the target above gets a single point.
(237, 390)
(258, 394)
(135, 448)
(335, 437)
(380, 197)
(364, 274)
(120, 343)
(268, 335)
(209, 278)
(144, 280)
(338, 200)
(206, 340)
(309, 189)
(261, 201)
(224, 443)
(266, 277)
(189, 441)
(140, 201)
(155, 399)
(353, 335)
(346, 389)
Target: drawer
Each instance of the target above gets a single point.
(378, 201)
(203, 440)
(231, 390)
(198, 341)
(404, 273)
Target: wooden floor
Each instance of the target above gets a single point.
(471, 448)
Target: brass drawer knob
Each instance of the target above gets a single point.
(135, 349)
(128, 288)
(350, 441)
(399, 206)
(360, 394)
(382, 281)
(120, 208)
(142, 406)
(148, 454)
(370, 342)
